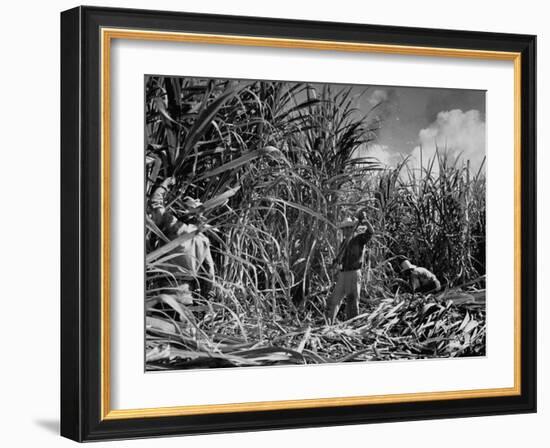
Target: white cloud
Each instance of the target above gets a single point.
(380, 152)
(461, 134)
(377, 97)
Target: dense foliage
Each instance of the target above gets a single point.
(276, 166)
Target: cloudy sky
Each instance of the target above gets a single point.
(420, 117)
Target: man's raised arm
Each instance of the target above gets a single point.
(363, 221)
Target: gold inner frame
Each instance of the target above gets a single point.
(107, 35)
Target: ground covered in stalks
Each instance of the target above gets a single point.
(276, 165)
(448, 325)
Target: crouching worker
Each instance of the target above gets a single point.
(190, 263)
(350, 262)
(420, 279)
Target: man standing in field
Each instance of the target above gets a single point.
(350, 260)
(190, 263)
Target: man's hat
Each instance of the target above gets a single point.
(348, 222)
(406, 265)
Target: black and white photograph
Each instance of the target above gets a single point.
(290, 222)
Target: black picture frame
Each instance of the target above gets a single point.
(81, 224)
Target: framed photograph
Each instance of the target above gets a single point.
(276, 224)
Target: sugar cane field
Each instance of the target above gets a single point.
(276, 234)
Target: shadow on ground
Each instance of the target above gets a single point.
(48, 425)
